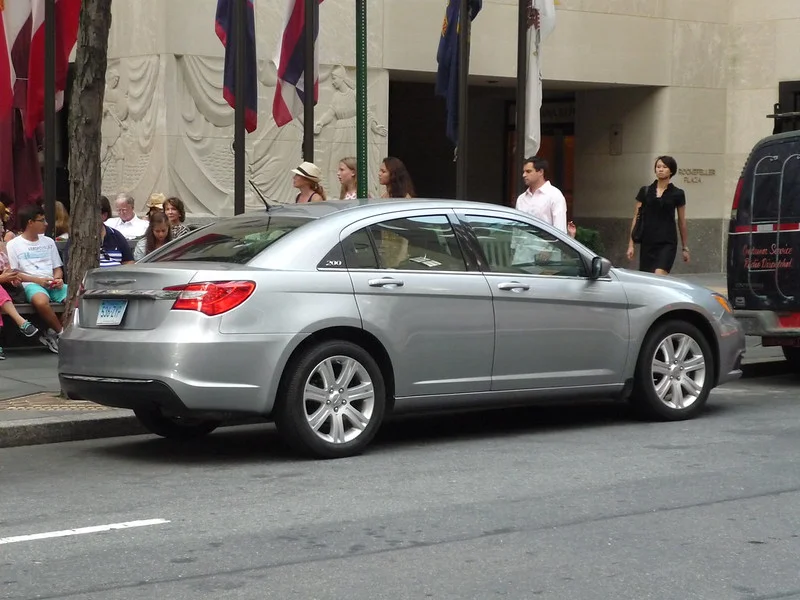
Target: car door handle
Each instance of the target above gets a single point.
(513, 286)
(386, 282)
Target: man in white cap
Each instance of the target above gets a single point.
(307, 179)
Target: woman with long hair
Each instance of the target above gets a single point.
(307, 179)
(158, 233)
(176, 214)
(394, 175)
(62, 222)
(347, 177)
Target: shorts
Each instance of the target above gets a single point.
(4, 297)
(57, 296)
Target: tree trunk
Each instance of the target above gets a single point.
(85, 137)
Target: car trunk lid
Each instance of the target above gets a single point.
(132, 297)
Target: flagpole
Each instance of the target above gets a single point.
(522, 85)
(362, 155)
(50, 115)
(464, 28)
(239, 36)
(308, 82)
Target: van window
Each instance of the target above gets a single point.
(772, 185)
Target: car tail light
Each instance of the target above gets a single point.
(212, 297)
(736, 197)
(790, 321)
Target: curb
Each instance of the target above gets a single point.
(51, 430)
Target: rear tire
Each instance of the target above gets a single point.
(174, 428)
(674, 373)
(332, 401)
(792, 354)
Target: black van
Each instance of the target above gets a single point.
(764, 245)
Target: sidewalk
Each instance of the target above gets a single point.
(32, 413)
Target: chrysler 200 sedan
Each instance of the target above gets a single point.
(327, 317)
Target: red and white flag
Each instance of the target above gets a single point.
(541, 22)
(290, 60)
(67, 14)
(22, 44)
(14, 15)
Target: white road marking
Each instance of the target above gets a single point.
(81, 531)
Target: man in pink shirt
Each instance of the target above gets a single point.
(542, 199)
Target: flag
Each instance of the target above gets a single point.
(14, 15)
(7, 75)
(224, 25)
(290, 93)
(541, 22)
(67, 17)
(448, 58)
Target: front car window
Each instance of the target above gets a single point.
(424, 243)
(236, 241)
(512, 246)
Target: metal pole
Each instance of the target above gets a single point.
(362, 139)
(522, 78)
(239, 36)
(308, 81)
(464, 27)
(50, 115)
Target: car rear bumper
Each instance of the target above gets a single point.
(123, 393)
(764, 323)
(222, 373)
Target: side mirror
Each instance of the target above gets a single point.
(600, 267)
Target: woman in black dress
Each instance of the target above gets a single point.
(659, 202)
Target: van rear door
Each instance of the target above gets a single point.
(764, 232)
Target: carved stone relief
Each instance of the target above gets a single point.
(181, 142)
(131, 153)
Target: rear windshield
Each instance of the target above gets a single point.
(235, 241)
(771, 191)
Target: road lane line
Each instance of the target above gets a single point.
(81, 531)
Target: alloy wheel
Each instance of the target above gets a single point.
(678, 371)
(338, 399)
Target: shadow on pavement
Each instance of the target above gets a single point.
(261, 443)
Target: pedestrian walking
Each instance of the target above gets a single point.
(541, 199)
(653, 226)
(307, 179)
(395, 177)
(347, 178)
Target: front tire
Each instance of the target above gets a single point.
(332, 402)
(674, 373)
(174, 428)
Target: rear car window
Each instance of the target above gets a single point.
(771, 186)
(235, 241)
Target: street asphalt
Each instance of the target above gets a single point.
(570, 502)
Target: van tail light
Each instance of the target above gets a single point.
(213, 297)
(737, 195)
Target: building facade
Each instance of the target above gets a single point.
(624, 81)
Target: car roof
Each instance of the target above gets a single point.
(364, 208)
(788, 136)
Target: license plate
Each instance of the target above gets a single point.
(111, 312)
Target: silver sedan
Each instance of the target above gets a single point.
(327, 317)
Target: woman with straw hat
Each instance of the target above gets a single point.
(307, 179)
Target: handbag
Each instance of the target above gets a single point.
(638, 226)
